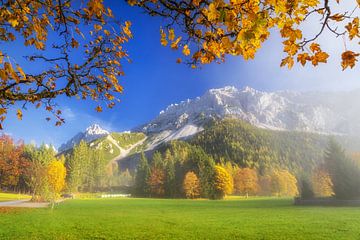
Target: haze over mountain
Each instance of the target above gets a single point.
(320, 112)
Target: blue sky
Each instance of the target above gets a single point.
(153, 80)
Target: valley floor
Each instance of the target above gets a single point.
(257, 218)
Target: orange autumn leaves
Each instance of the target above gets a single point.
(95, 75)
(214, 29)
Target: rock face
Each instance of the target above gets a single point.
(91, 133)
(330, 113)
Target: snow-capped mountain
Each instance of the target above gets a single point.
(91, 133)
(321, 112)
(330, 113)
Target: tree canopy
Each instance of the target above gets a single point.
(56, 32)
(212, 29)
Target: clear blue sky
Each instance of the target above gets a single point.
(153, 80)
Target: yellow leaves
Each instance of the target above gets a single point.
(353, 28)
(132, 2)
(349, 59)
(312, 3)
(97, 27)
(56, 173)
(126, 29)
(13, 22)
(319, 57)
(163, 40)
(288, 61)
(303, 58)
(74, 43)
(19, 114)
(99, 109)
(213, 13)
(314, 47)
(178, 60)
(106, 32)
(290, 47)
(337, 17)
(171, 34)
(186, 50)
(21, 71)
(174, 44)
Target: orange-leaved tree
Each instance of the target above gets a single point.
(216, 28)
(77, 44)
(13, 164)
(191, 185)
(246, 181)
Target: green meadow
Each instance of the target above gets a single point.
(234, 218)
(12, 196)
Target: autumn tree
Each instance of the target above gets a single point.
(321, 182)
(40, 158)
(191, 185)
(56, 173)
(13, 163)
(283, 183)
(156, 180)
(246, 181)
(223, 183)
(79, 46)
(208, 31)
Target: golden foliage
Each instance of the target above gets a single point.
(321, 182)
(223, 181)
(191, 185)
(156, 182)
(219, 28)
(246, 181)
(283, 183)
(56, 173)
(95, 76)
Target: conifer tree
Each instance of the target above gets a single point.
(142, 176)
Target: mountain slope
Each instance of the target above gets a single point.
(327, 113)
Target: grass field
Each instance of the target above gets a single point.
(263, 218)
(12, 196)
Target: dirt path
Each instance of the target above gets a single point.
(24, 204)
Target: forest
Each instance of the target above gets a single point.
(228, 157)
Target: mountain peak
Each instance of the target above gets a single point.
(91, 133)
(95, 129)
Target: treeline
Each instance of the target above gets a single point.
(248, 146)
(338, 176)
(184, 170)
(25, 168)
(44, 174)
(90, 171)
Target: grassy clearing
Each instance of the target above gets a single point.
(260, 218)
(12, 196)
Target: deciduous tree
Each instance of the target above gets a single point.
(217, 28)
(191, 185)
(56, 173)
(79, 46)
(246, 181)
(223, 183)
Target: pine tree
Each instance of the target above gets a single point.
(170, 181)
(344, 173)
(142, 177)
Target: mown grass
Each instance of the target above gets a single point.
(260, 218)
(12, 196)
